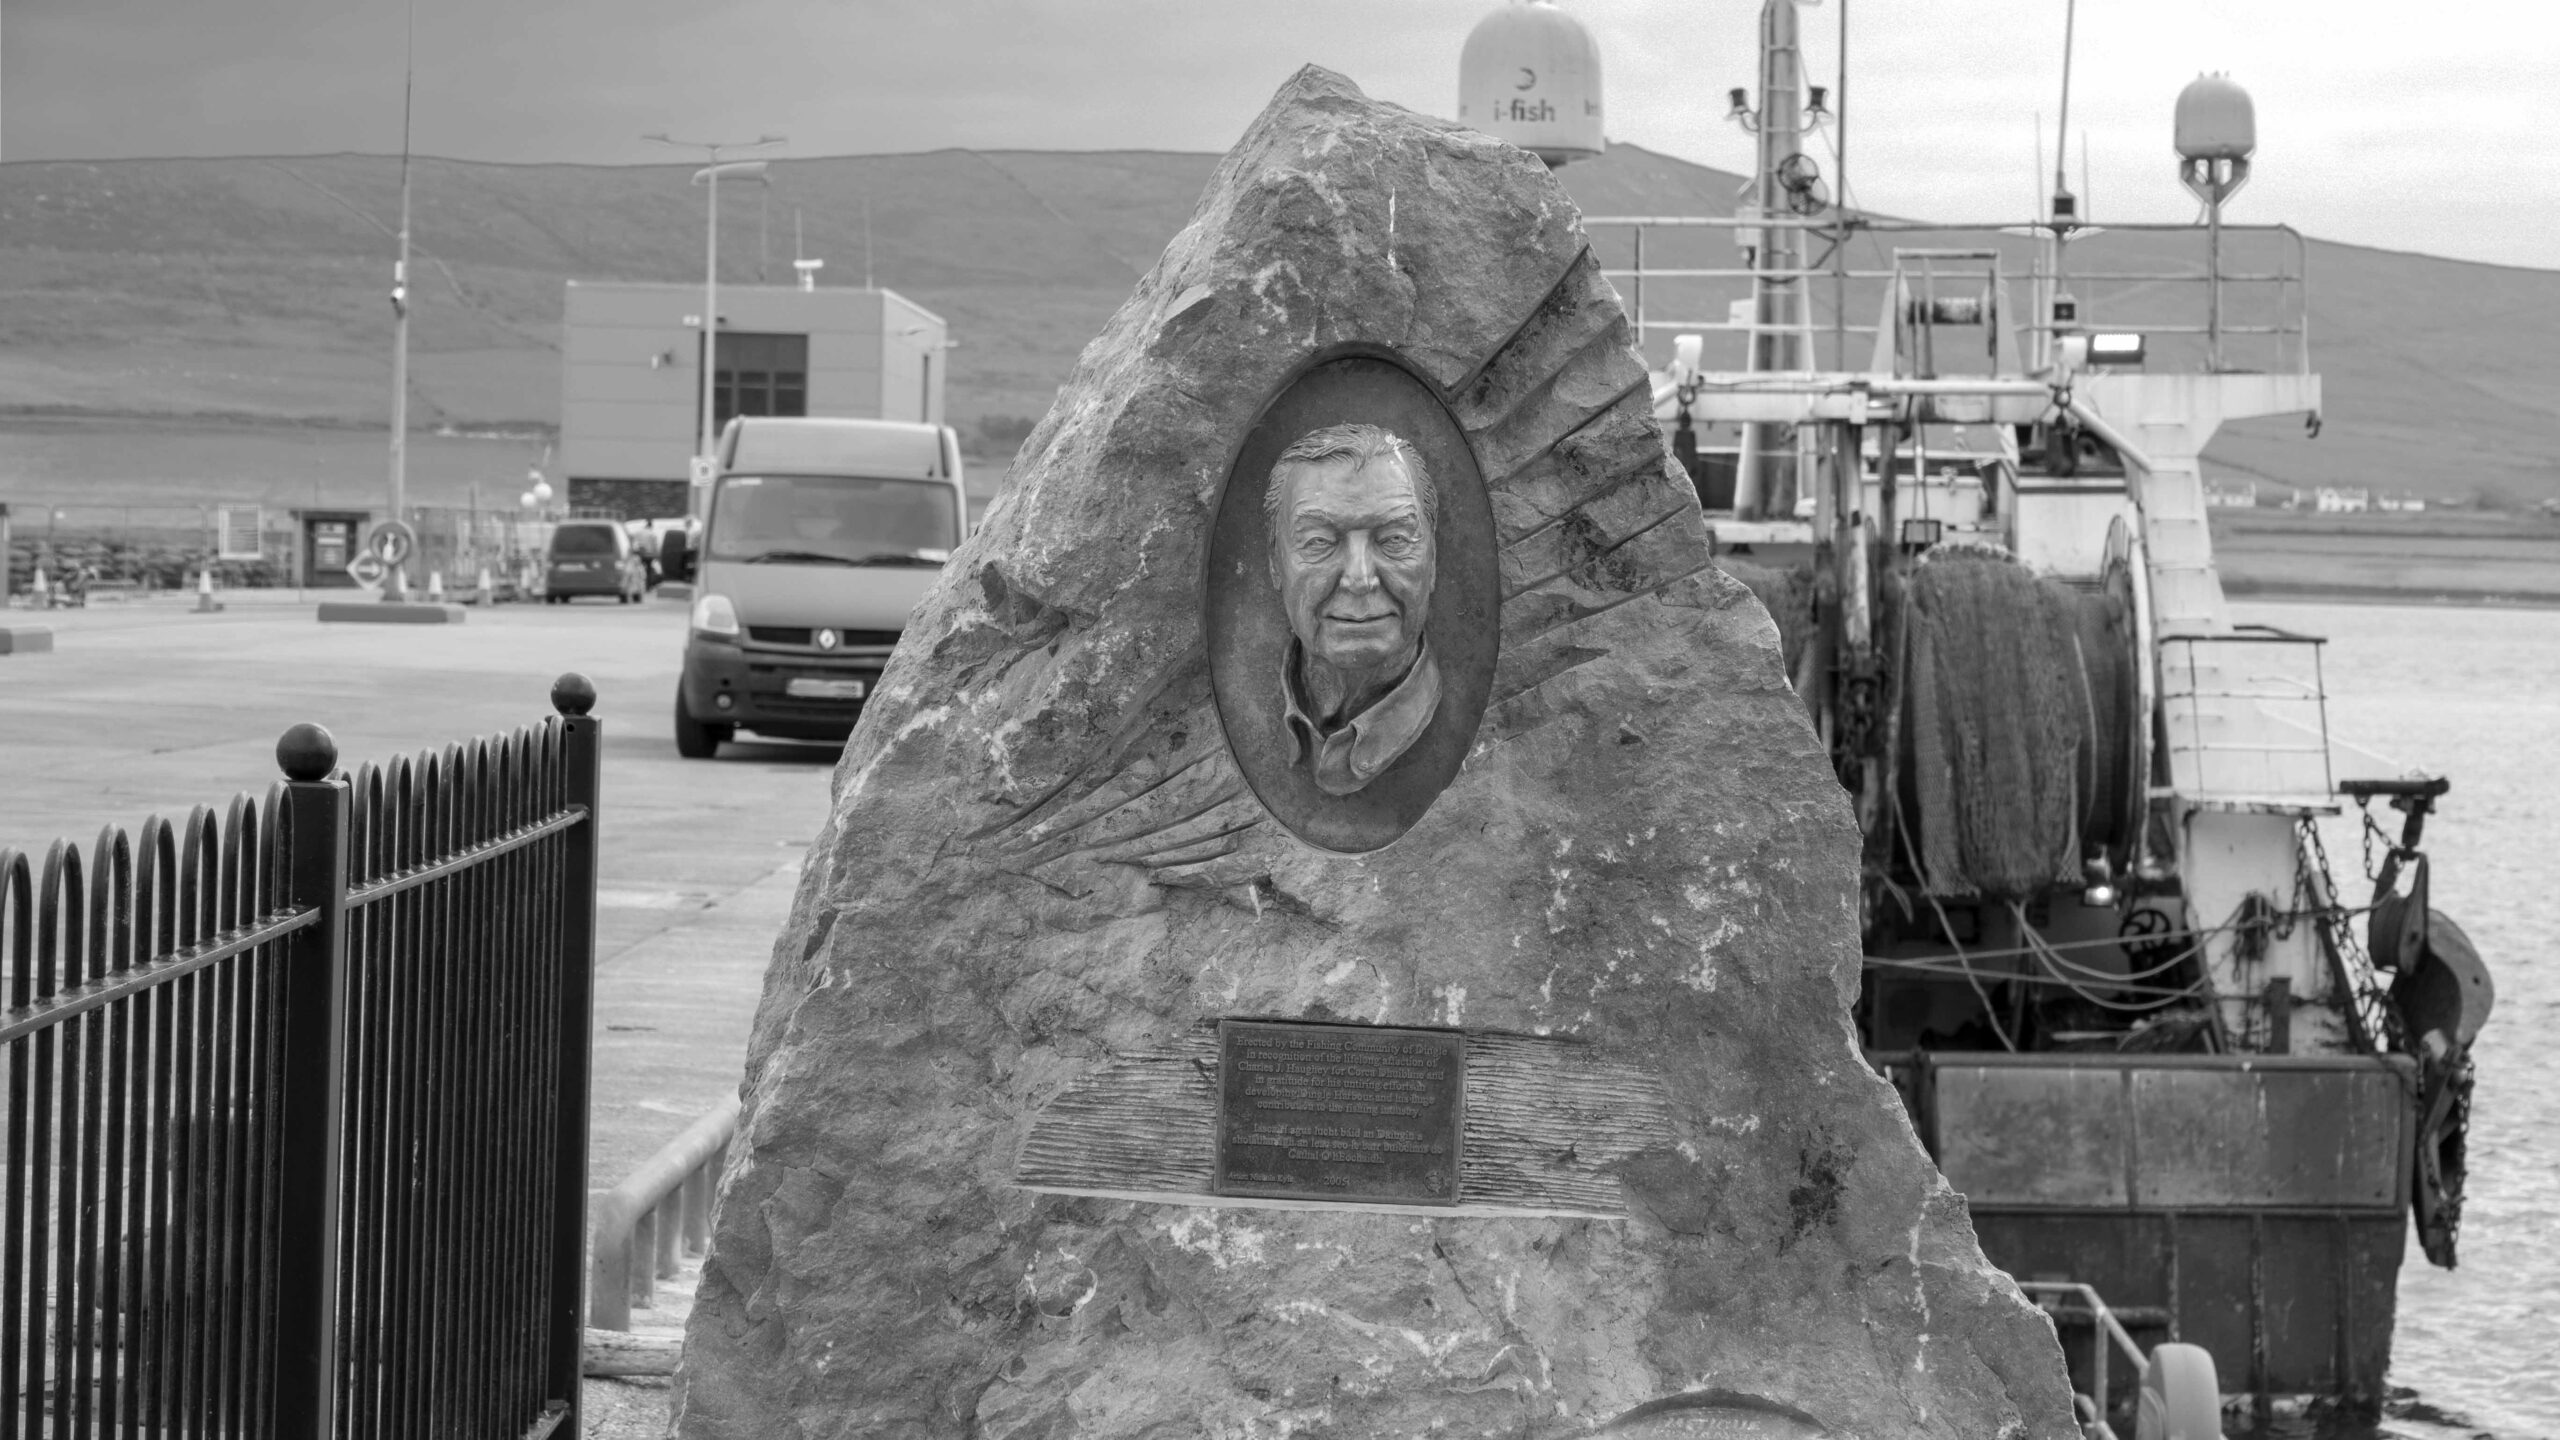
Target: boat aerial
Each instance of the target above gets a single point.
(2170, 1056)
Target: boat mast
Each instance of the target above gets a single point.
(2062, 215)
(1781, 322)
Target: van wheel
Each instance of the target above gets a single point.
(698, 739)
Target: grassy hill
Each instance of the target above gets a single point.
(253, 291)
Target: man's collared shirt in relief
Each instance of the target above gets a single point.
(1352, 752)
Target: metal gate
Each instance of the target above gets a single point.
(297, 1103)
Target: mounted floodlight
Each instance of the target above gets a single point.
(1817, 108)
(2116, 348)
(2097, 883)
(1740, 113)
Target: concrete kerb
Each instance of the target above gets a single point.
(389, 612)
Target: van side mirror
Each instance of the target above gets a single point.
(675, 555)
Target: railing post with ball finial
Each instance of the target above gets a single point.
(582, 758)
(312, 1086)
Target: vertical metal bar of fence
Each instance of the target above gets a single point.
(187, 1332)
(582, 767)
(369, 1143)
(78, 1144)
(225, 1256)
(312, 1092)
(39, 1213)
(268, 1065)
(17, 938)
(112, 934)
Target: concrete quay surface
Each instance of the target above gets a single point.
(148, 707)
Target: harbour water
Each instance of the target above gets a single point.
(2474, 694)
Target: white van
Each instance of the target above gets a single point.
(819, 538)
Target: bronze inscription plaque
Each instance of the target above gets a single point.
(1339, 1112)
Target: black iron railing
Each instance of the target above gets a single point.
(297, 1103)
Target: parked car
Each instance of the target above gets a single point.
(593, 557)
(821, 536)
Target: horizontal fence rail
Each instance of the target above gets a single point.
(297, 1099)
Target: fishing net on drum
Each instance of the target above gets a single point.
(2017, 700)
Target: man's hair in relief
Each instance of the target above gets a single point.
(1358, 444)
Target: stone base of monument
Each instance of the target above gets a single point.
(389, 612)
(1333, 922)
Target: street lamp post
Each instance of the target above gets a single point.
(395, 585)
(709, 177)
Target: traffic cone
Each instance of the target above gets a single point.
(435, 587)
(485, 597)
(40, 594)
(205, 603)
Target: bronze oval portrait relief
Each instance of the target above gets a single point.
(1352, 603)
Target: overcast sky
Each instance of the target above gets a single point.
(2411, 125)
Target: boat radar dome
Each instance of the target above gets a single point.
(2215, 120)
(2216, 130)
(1530, 75)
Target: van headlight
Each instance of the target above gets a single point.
(714, 616)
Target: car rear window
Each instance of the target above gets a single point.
(583, 540)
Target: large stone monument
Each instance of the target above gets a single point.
(1335, 924)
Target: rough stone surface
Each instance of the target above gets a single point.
(1042, 860)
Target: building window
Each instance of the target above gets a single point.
(760, 375)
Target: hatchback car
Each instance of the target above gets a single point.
(593, 557)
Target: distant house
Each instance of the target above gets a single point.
(2402, 504)
(2333, 501)
(2243, 496)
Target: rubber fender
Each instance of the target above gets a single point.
(2181, 1396)
(2449, 989)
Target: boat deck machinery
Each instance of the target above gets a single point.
(2161, 1046)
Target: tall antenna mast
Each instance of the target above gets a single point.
(2062, 130)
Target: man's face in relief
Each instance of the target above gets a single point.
(1353, 558)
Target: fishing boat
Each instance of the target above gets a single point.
(2195, 1084)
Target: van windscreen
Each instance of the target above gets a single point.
(832, 519)
(582, 540)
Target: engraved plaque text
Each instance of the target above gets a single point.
(1339, 1112)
